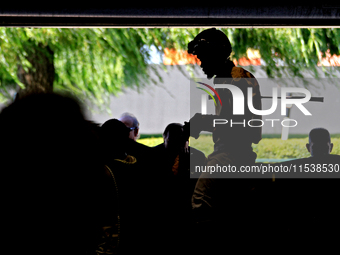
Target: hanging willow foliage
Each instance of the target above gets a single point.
(96, 63)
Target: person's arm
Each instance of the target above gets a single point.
(199, 123)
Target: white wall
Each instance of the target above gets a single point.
(157, 106)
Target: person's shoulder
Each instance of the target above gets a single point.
(137, 149)
(239, 72)
(159, 147)
(194, 151)
(158, 151)
(334, 156)
(196, 155)
(243, 76)
(329, 158)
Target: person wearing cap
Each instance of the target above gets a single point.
(213, 49)
(218, 201)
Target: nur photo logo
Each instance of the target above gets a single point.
(239, 99)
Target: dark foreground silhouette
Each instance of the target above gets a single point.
(53, 193)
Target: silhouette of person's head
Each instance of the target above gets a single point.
(319, 142)
(47, 127)
(50, 160)
(131, 122)
(213, 49)
(115, 138)
(174, 138)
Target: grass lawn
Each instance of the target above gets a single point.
(270, 147)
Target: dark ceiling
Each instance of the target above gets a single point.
(174, 14)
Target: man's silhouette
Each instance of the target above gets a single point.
(320, 148)
(307, 206)
(213, 49)
(319, 142)
(54, 189)
(175, 158)
(225, 204)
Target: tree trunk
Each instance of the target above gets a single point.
(40, 77)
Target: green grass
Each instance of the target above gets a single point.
(270, 147)
(151, 142)
(143, 136)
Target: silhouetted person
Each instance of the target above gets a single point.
(114, 137)
(141, 202)
(213, 49)
(140, 151)
(324, 191)
(131, 122)
(306, 202)
(225, 204)
(175, 158)
(319, 142)
(52, 176)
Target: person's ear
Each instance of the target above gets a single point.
(307, 146)
(330, 147)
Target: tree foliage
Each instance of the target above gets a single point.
(97, 62)
(298, 49)
(93, 63)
